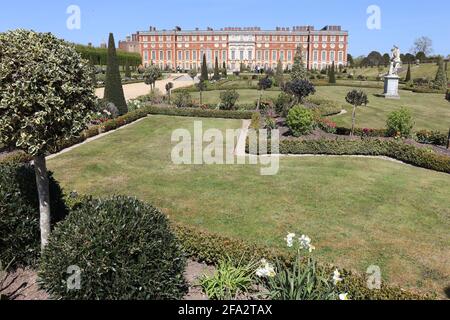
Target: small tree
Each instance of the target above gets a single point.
(201, 86)
(408, 74)
(151, 75)
(228, 99)
(399, 123)
(113, 86)
(263, 84)
(216, 70)
(204, 72)
(440, 82)
(193, 73)
(46, 97)
(300, 121)
(356, 98)
(182, 99)
(169, 87)
(332, 75)
(298, 71)
(299, 89)
(279, 74)
(224, 70)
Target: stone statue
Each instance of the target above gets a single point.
(396, 62)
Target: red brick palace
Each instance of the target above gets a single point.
(252, 47)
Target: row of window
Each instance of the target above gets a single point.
(258, 38)
(330, 56)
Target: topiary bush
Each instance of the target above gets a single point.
(228, 99)
(399, 123)
(124, 249)
(19, 214)
(300, 121)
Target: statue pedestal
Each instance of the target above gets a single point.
(391, 86)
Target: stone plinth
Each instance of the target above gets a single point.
(391, 87)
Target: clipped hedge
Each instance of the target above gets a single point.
(20, 235)
(432, 137)
(212, 248)
(398, 150)
(124, 249)
(362, 132)
(200, 113)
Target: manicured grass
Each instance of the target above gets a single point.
(359, 212)
(246, 96)
(430, 111)
(425, 70)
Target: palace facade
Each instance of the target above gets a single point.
(251, 47)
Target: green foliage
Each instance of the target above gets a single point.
(192, 73)
(300, 89)
(300, 121)
(204, 72)
(201, 113)
(127, 69)
(279, 74)
(399, 123)
(151, 75)
(19, 213)
(255, 124)
(447, 96)
(124, 248)
(229, 281)
(440, 82)
(182, 99)
(46, 89)
(283, 104)
(113, 86)
(228, 99)
(357, 98)
(265, 83)
(99, 56)
(431, 137)
(299, 71)
(332, 74)
(408, 77)
(213, 248)
(216, 70)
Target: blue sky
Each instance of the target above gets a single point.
(401, 21)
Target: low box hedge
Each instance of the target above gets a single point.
(200, 113)
(212, 248)
(424, 158)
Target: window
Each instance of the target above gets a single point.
(180, 55)
(152, 38)
(187, 55)
(267, 38)
(145, 55)
(333, 38)
(341, 56)
(324, 55)
(194, 38)
(216, 55)
(169, 55)
(224, 55)
(259, 38)
(324, 38)
(202, 38)
(153, 55)
(145, 39)
(316, 55)
(224, 38)
(282, 38)
(305, 39)
(208, 38)
(274, 38)
(274, 55)
(216, 38)
(297, 38)
(233, 55)
(316, 38)
(194, 55)
(289, 38)
(266, 55)
(289, 55)
(258, 55)
(161, 55)
(186, 38)
(341, 38)
(282, 55)
(241, 55)
(332, 55)
(250, 55)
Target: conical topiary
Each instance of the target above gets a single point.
(113, 87)
(440, 81)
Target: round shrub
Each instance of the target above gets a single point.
(19, 214)
(301, 121)
(228, 99)
(123, 249)
(399, 123)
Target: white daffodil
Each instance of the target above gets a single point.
(266, 271)
(337, 277)
(290, 239)
(344, 296)
(305, 242)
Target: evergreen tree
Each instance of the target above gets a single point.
(440, 81)
(279, 75)
(224, 70)
(298, 69)
(332, 74)
(216, 70)
(408, 74)
(204, 72)
(113, 87)
(127, 69)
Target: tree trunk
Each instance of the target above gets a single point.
(44, 198)
(259, 100)
(353, 121)
(201, 98)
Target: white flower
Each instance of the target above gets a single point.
(290, 240)
(344, 296)
(266, 271)
(336, 277)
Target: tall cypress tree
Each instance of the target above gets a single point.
(408, 74)
(113, 87)
(127, 69)
(216, 70)
(298, 69)
(280, 74)
(224, 70)
(332, 74)
(204, 72)
(440, 81)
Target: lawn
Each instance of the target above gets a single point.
(430, 111)
(425, 70)
(246, 96)
(359, 212)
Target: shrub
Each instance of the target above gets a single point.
(19, 213)
(327, 125)
(300, 121)
(197, 112)
(447, 96)
(300, 89)
(228, 99)
(229, 281)
(399, 123)
(182, 99)
(431, 137)
(283, 103)
(124, 248)
(256, 121)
